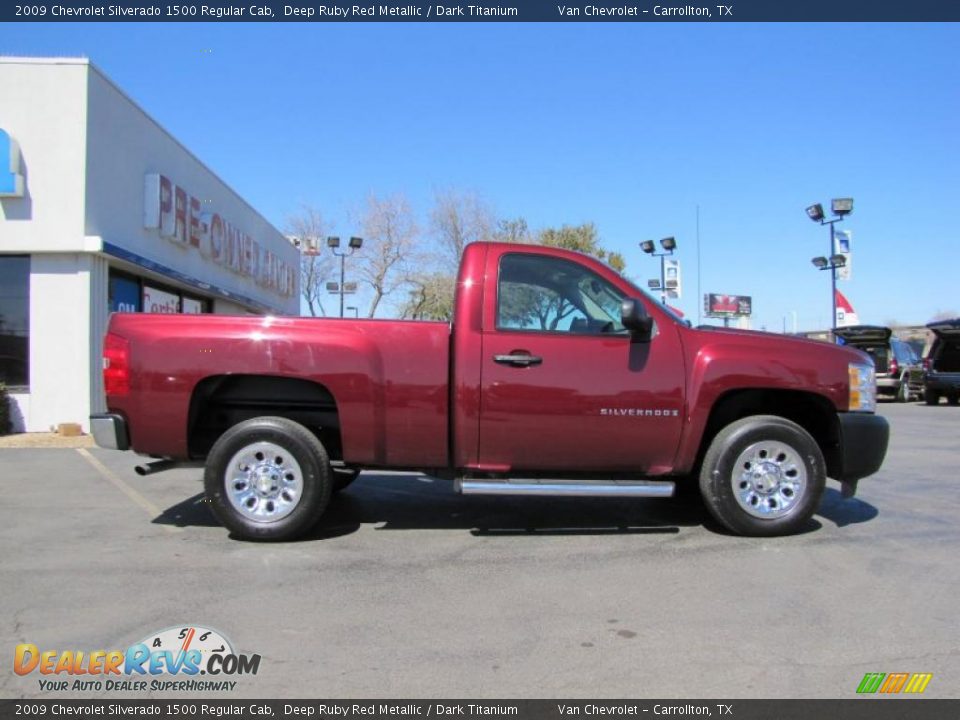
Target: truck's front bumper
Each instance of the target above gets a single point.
(110, 431)
(863, 446)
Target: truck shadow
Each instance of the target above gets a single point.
(845, 512)
(414, 502)
(396, 503)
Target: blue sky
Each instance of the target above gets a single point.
(631, 126)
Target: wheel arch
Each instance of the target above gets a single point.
(219, 402)
(813, 412)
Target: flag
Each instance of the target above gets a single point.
(846, 315)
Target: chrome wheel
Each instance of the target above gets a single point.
(768, 479)
(263, 482)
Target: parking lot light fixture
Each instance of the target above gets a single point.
(669, 244)
(841, 207)
(333, 243)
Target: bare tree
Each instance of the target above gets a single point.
(307, 230)
(513, 231)
(431, 297)
(389, 246)
(458, 219)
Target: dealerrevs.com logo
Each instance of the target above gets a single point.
(169, 660)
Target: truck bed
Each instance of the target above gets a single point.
(378, 374)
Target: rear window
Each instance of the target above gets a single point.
(879, 353)
(946, 355)
(903, 352)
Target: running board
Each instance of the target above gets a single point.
(569, 488)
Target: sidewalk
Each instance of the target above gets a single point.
(45, 440)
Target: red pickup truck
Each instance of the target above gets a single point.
(557, 377)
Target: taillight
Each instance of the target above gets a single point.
(927, 364)
(893, 367)
(116, 365)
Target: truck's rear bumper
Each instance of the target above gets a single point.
(863, 446)
(110, 431)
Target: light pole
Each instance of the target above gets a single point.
(668, 244)
(841, 207)
(333, 242)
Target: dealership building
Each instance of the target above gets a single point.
(102, 210)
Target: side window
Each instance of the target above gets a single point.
(538, 293)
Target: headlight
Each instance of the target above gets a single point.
(863, 388)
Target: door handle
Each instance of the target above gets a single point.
(518, 360)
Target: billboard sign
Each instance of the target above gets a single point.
(716, 305)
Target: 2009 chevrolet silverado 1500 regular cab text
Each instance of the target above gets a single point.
(556, 377)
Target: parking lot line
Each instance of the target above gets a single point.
(151, 509)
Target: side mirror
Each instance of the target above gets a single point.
(635, 319)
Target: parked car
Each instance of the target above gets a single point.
(557, 377)
(941, 366)
(893, 359)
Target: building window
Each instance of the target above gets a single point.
(15, 320)
(124, 293)
(129, 293)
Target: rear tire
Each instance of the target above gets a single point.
(763, 476)
(953, 399)
(903, 392)
(268, 478)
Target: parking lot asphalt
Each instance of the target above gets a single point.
(409, 590)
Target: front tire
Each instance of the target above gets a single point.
(931, 398)
(268, 478)
(763, 476)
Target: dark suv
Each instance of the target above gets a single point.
(941, 366)
(893, 358)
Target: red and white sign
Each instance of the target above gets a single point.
(846, 315)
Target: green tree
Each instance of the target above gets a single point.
(582, 238)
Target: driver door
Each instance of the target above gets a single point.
(564, 387)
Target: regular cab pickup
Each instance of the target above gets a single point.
(557, 377)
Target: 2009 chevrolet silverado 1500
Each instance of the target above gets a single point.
(557, 377)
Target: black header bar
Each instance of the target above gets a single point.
(482, 11)
(237, 709)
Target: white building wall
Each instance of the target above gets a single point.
(63, 290)
(85, 150)
(44, 108)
